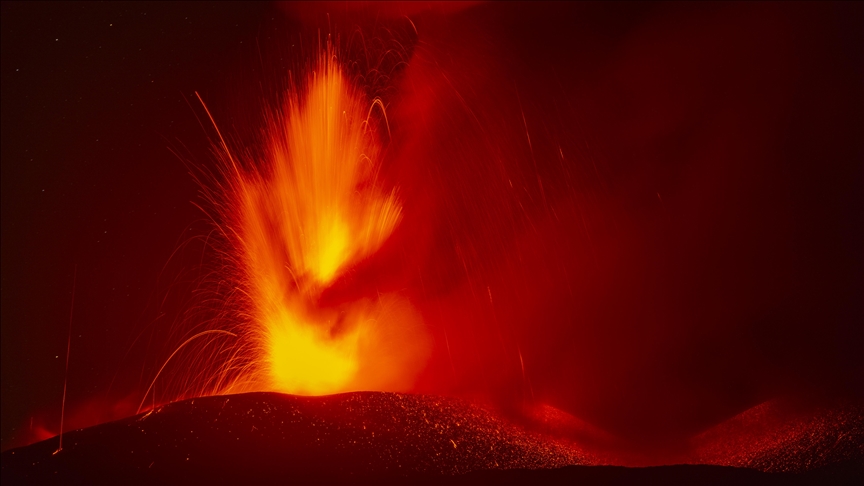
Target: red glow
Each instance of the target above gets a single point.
(523, 218)
(643, 215)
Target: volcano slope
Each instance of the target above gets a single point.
(375, 437)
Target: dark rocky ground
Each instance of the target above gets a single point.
(265, 438)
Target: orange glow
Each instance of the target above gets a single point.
(312, 208)
(304, 360)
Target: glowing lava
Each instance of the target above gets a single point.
(299, 217)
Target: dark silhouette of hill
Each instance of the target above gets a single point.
(374, 437)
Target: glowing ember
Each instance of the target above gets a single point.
(300, 218)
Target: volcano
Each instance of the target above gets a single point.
(377, 437)
(625, 240)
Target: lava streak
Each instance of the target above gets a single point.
(309, 208)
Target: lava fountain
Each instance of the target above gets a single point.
(296, 219)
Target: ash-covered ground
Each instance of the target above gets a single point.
(386, 437)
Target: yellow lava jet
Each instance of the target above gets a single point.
(312, 208)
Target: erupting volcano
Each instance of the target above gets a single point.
(432, 242)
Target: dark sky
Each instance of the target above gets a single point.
(94, 95)
(712, 237)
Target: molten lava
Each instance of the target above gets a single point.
(299, 217)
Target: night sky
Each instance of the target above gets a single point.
(713, 236)
(94, 101)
